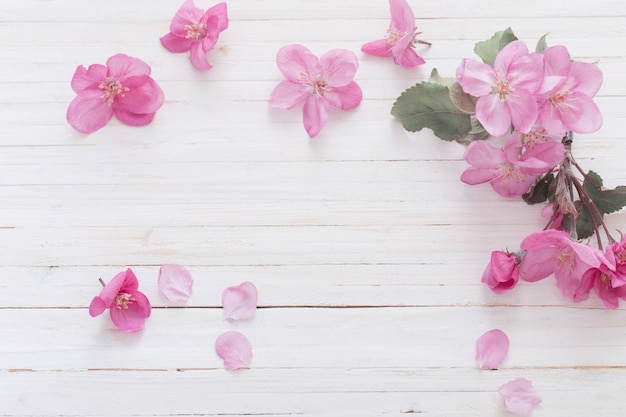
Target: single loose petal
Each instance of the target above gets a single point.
(235, 349)
(491, 349)
(240, 302)
(175, 282)
(519, 396)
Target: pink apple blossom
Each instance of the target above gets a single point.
(175, 282)
(491, 349)
(123, 87)
(319, 83)
(235, 349)
(553, 251)
(196, 31)
(506, 91)
(400, 39)
(240, 302)
(127, 306)
(567, 94)
(519, 396)
(600, 279)
(509, 171)
(618, 252)
(502, 271)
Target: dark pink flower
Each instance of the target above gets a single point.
(235, 349)
(491, 349)
(319, 83)
(240, 302)
(502, 272)
(400, 39)
(519, 396)
(127, 306)
(123, 87)
(506, 91)
(600, 279)
(196, 31)
(175, 282)
(618, 252)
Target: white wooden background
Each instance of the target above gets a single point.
(366, 248)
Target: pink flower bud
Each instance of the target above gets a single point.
(502, 272)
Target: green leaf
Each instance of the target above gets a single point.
(608, 201)
(461, 100)
(584, 225)
(438, 79)
(539, 192)
(428, 104)
(487, 50)
(542, 45)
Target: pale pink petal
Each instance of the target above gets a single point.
(513, 183)
(491, 349)
(187, 14)
(128, 70)
(550, 120)
(286, 95)
(410, 58)
(235, 349)
(175, 282)
(338, 67)
(587, 282)
(346, 97)
(402, 45)
(541, 157)
(493, 114)
(585, 78)
(519, 396)
(523, 110)
(582, 115)
(508, 55)
(378, 48)
(221, 13)
(475, 77)
(84, 78)
(526, 74)
(88, 112)
(145, 98)
(294, 60)
(198, 57)
(240, 302)
(133, 318)
(476, 175)
(97, 306)
(402, 17)
(556, 68)
(537, 264)
(482, 154)
(175, 43)
(315, 114)
(133, 119)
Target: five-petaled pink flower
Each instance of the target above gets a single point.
(400, 39)
(319, 83)
(128, 307)
(507, 91)
(123, 87)
(568, 90)
(196, 31)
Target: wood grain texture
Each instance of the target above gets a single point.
(366, 248)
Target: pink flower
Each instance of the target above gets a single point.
(552, 251)
(319, 83)
(519, 396)
(502, 272)
(509, 171)
(618, 252)
(128, 307)
(507, 91)
(600, 279)
(235, 349)
(491, 349)
(567, 105)
(196, 31)
(400, 39)
(175, 282)
(240, 302)
(123, 87)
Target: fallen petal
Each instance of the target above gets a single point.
(175, 282)
(235, 349)
(491, 349)
(240, 302)
(519, 396)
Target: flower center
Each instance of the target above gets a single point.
(123, 300)
(620, 255)
(508, 170)
(501, 88)
(558, 98)
(196, 31)
(393, 35)
(112, 87)
(315, 84)
(565, 258)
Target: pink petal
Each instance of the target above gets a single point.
(482, 154)
(338, 67)
(88, 78)
(378, 48)
(491, 349)
(187, 14)
(519, 396)
(476, 175)
(198, 57)
(523, 111)
(526, 73)
(585, 78)
(128, 70)
(235, 349)
(97, 306)
(293, 60)
(175, 282)
(402, 17)
(556, 68)
(346, 97)
(221, 13)
(88, 112)
(541, 157)
(145, 98)
(582, 115)
(475, 77)
(410, 58)
(133, 119)
(550, 120)
(286, 95)
(175, 43)
(493, 115)
(512, 185)
(537, 264)
(133, 318)
(240, 302)
(314, 114)
(508, 55)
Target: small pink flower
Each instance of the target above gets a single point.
(235, 349)
(509, 171)
(507, 91)
(127, 306)
(123, 87)
(400, 39)
(196, 31)
(502, 272)
(175, 282)
(240, 302)
(519, 396)
(618, 252)
(319, 83)
(491, 349)
(568, 104)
